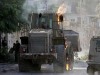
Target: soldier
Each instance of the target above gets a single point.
(17, 47)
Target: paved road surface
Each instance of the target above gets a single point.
(12, 69)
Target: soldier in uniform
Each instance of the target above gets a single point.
(17, 47)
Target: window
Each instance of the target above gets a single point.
(50, 23)
(43, 20)
(72, 20)
(98, 45)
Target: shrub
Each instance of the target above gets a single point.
(4, 55)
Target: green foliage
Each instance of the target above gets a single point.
(3, 51)
(10, 15)
(4, 55)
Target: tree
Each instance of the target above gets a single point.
(10, 12)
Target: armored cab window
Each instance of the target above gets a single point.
(43, 20)
(50, 23)
(98, 45)
(43, 23)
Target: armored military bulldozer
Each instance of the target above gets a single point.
(45, 44)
